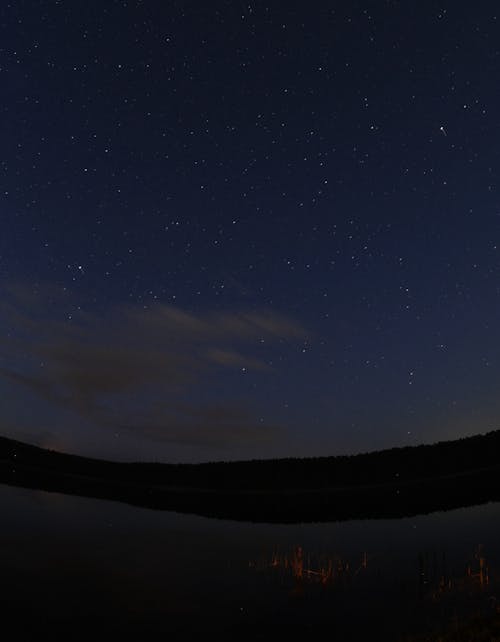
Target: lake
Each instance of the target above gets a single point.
(87, 568)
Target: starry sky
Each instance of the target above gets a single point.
(237, 230)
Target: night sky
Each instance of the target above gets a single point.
(239, 230)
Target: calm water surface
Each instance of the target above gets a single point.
(88, 568)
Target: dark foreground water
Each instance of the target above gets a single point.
(78, 568)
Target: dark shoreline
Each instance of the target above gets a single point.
(242, 490)
(384, 501)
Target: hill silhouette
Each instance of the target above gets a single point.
(387, 483)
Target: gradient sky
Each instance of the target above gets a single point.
(238, 230)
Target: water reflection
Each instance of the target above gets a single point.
(466, 587)
(190, 577)
(433, 574)
(434, 579)
(310, 568)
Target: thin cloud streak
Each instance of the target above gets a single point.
(144, 371)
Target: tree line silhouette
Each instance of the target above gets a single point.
(387, 483)
(379, 467)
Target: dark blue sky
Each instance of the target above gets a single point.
(236, 230)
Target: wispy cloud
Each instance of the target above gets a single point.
(140, 369)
